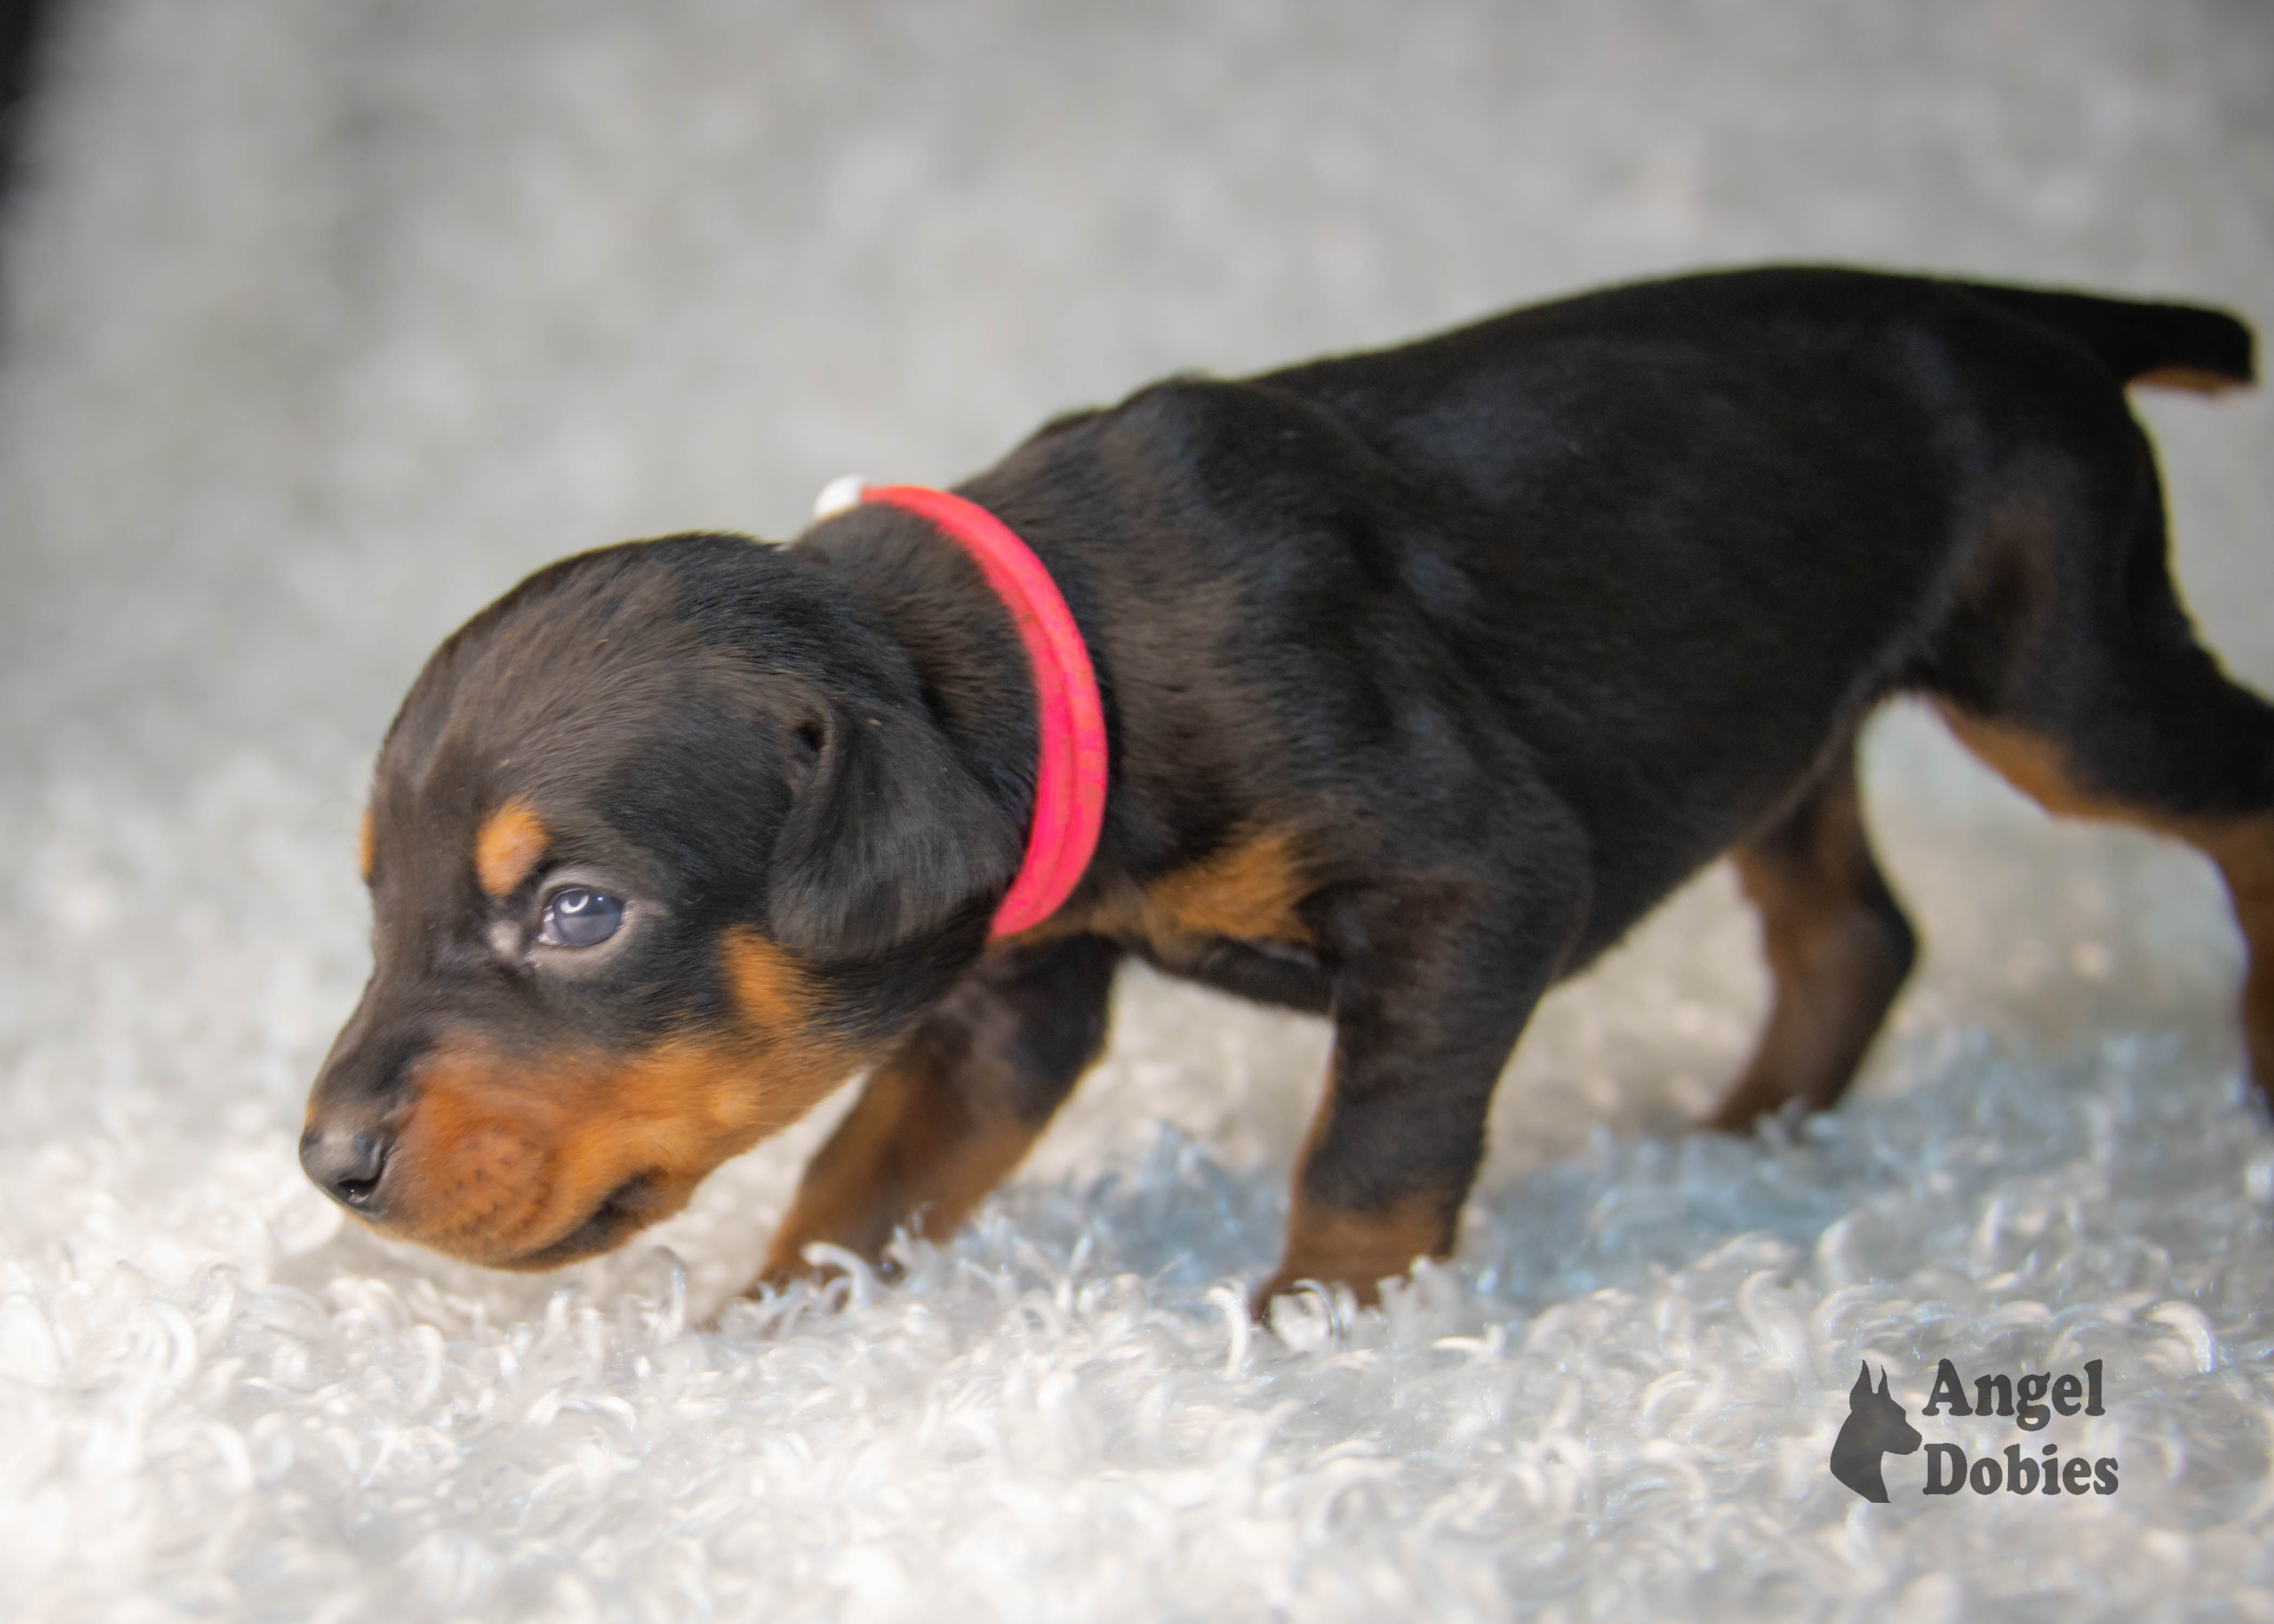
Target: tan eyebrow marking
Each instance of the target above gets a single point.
(511, 840)
(365, 860)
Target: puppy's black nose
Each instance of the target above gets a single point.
(348, 1164)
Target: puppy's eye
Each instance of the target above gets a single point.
(578, 916)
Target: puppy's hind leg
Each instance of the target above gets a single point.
(2209, 780)
(2113, 710)
(2244, 852)
(1838, 947)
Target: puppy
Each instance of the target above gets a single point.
(1420, 677)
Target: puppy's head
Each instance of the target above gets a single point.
(662, 846)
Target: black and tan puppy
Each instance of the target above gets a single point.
(1425, 674)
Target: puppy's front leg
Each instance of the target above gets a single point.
(1433, 982)
(943, 1121)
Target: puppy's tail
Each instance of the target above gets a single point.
(2168, 346)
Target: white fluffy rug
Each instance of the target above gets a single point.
(327, 321)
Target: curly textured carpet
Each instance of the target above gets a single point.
(327, 322)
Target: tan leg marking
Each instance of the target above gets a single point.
(954, 1108)
(1838, 950)
(912, 1149)
(2242, 847)
(2195, 379)
(1354, 1248)
(510, 841)
(1359, 1250)
(366, 855)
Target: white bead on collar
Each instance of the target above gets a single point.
(841, 494)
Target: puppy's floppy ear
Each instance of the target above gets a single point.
(889, 835)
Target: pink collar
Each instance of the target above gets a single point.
(1069, 776)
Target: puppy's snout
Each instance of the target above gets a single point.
(349, 1161)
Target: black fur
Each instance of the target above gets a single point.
(1511, 630)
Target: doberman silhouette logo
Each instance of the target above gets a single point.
(1876, 1425)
